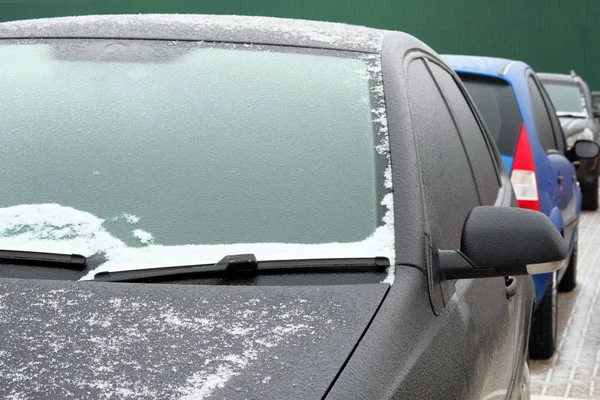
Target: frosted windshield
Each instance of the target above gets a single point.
(171, 144)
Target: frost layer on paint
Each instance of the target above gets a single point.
(106, 341)
(202, 27)
(378, 113)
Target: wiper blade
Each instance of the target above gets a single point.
(243, 264)
(34, 257)
(569, 115)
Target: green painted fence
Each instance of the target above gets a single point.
(551, 35)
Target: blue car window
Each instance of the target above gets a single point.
(541, 117)
(559, 136)
(496, 102)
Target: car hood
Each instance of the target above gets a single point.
(572, 126)
(138, 341)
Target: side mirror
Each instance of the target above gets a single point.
(504, 241)
(583, 149)
(597, 113)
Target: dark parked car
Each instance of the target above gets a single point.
(331, 217)
(572, 100)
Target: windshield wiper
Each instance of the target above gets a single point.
(34, 257)
(569, 115)
(243, 264)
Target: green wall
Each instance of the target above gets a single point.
(551, 35)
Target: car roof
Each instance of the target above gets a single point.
(195, 27)
(491, 66)
(547, 76)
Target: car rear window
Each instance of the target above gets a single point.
(154, 143)
(496, 102)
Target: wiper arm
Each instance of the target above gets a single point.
(76, 261)
(243, 264)
(569, 115)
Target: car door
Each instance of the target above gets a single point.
(503, 348)
(464, 176)
(562, 171)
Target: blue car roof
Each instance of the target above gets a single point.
(490, 66)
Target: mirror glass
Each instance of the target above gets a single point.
(586, 149)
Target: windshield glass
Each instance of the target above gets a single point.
(567, 98)
(164, 153)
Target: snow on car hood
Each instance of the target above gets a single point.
(56, 228)
(135, 341)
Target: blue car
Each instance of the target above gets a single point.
(521, 118)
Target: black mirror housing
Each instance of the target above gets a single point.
(585, 149)
(505, 241)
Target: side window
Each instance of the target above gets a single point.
(543, 125)
(474, 142)
(450, 192)
(559, 137)
(596, 101)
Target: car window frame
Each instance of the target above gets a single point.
(487, 137)
(532, 80)
(440, 290)
(559, 137)
(587, 96)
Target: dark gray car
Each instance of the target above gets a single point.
(572, 100)
(335, 218)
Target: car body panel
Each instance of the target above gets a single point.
(210, 28)
(172, 340)
(508, 161)
(425, 338)
(428, 355)
(561, 203)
